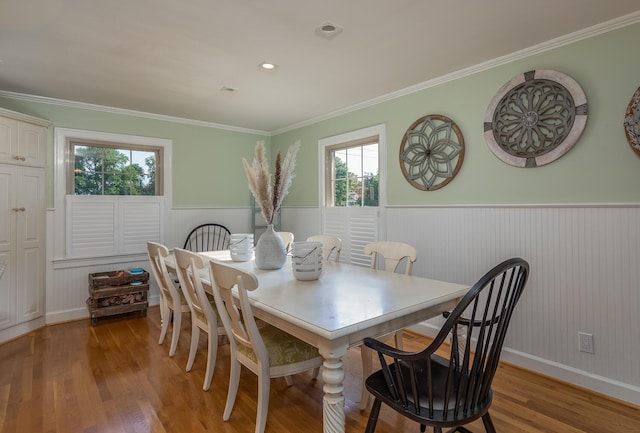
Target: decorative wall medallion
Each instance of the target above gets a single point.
(632, 122)
(431, 152)
(535, 118)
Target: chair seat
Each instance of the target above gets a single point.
(283, 348)
(183, 300)
(201, 317)
(377, 385)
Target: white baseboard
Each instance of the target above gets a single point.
(67, 315)
(82, 313)
(21, 329)
(581, 378)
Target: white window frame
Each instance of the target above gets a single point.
(61, 256)
(354, 136)
(157, 151)
(330, 180)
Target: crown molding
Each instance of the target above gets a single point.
(126, 112)
(598, 29)
(25, 117)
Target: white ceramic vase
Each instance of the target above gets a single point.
(270, 251)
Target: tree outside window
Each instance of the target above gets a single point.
(102, 170)
(355, 176)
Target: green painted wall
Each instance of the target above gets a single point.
(600, 168)
(207, 162)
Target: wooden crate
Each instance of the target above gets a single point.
(111, 294)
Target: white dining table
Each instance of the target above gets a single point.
(338, 310)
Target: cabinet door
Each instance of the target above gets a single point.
(30, 244)
(8, 140)
(7, 246)
(32, 144)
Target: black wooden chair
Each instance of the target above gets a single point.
(449, 393)
(208, 237)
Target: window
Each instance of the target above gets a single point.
(353, 174)
(111, 195)
(352, 195)
(113, 169)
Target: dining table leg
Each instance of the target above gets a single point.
(333, 417)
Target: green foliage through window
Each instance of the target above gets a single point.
(113, 171)
(355, 176)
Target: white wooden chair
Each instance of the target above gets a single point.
(172, 300)
(204, 316)
(393, 254)
(331, 246)
(287, 238)
(266, 351)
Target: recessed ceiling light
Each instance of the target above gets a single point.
(328, 30)
(268, 66)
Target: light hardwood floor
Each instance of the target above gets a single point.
(114, 377)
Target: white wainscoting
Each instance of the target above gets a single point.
(585, 276)
(182, 220)
(67, 284)
(301, 221)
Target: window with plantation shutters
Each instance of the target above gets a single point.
(352, 189)
(112, 225)
(113, 195)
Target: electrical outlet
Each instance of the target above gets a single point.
(585, 342)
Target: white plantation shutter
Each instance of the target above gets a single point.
(356, 227)
(111, 225)
(140, 222)
(91, 222)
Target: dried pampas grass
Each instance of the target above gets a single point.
(269, 193)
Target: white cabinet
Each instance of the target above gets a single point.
(22, 214)
(7, 246)
(22, 139)
(22, 217)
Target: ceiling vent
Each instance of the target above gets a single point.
(328, 30)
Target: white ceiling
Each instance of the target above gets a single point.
(172, 57)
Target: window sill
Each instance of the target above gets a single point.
(98, 261)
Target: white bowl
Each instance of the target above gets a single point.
(241, 247)
(306, 260)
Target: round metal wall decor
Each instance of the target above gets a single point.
(632, 122)
(431, 152)
(535, 118)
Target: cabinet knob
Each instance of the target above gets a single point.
(19, 209)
